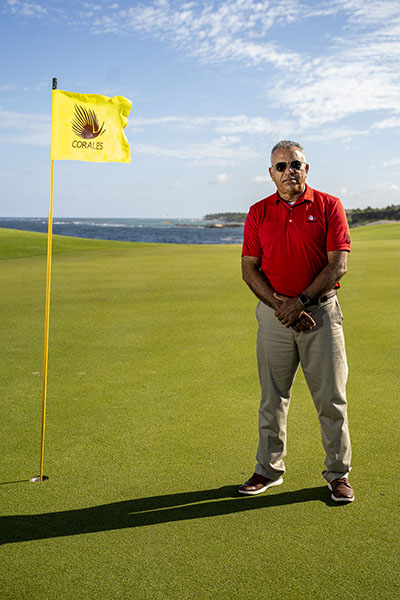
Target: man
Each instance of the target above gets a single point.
(295, 250)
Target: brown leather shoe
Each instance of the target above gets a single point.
(341, 490)
(257, 484)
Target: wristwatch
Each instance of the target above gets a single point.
(304, 299)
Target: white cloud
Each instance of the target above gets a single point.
(382, 194)
(221, 178)
(390, 123)
(392, 163)
(325, 134)
(254, 125)
(225, 125)
(355, 80)
(210, 31)
(260, 179)
(354, 73)
(223, 136)
(358, 72)
(365, 12)
(26, 9)
(342, 192)
(7, 87)
(222, 151)
(22, 128)
(391, 190)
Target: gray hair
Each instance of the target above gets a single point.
(286, 145)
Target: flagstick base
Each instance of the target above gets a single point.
(37, 479)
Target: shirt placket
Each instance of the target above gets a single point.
(291, 211)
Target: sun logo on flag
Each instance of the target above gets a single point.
(85, 123)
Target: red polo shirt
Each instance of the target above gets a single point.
(293, 241)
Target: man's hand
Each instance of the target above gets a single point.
(291, 314)
(304, 323)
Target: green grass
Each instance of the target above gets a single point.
(152, 425)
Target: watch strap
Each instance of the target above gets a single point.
(304, 299)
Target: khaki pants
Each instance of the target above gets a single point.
(321, 353)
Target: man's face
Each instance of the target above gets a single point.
(289, 181)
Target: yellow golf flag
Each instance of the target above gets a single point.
(89, 127)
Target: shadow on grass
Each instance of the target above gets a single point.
(13, 482)
(148, 511)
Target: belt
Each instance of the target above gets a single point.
(322, 299)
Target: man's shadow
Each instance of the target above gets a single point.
(148, 511)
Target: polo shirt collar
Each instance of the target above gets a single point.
(307, 195)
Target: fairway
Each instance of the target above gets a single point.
(152, 426)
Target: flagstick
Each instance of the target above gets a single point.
(42, 477)
(47, 319)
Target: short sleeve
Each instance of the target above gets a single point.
(251, 241)
(338, 235)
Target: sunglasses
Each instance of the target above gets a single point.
(295, 164)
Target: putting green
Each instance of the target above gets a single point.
(152, 425)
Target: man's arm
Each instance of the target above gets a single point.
(261, 287)
(290, 309)
(257, 281)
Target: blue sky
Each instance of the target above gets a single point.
(214, 85)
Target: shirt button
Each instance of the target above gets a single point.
(290, 220)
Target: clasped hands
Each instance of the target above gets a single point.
(291, 313)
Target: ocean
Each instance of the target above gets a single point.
(163, 231)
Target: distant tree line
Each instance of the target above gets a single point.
(361, 216)
(355, 216)
(227, 217)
